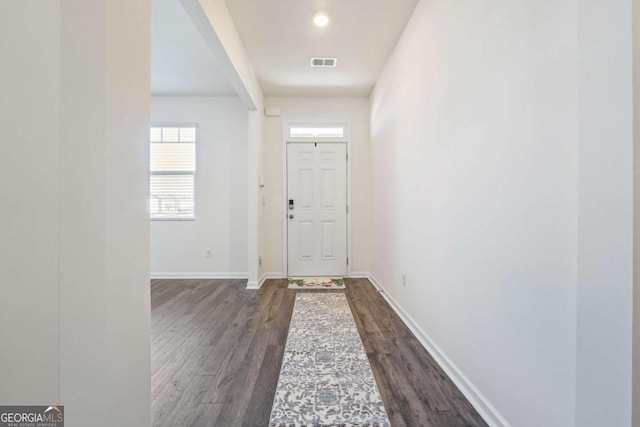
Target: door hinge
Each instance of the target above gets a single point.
(347, 260)
(347, 156)
(347, 208)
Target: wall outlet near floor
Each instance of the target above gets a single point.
(208, 253)
(404, 280)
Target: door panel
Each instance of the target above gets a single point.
(317, 224)
(328, 240)
(305, 240)
(305, 183)
(328, 189)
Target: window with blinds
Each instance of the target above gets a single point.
(173, 172)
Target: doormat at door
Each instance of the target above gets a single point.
(316, 283)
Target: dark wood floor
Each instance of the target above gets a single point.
(217, 349)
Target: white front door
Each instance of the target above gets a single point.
(317, 209)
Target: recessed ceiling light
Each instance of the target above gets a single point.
(321, 19)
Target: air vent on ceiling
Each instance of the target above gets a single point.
(324, 62)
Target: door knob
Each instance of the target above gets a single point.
(290, 216)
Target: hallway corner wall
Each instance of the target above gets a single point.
(474, 169)
(605, 214)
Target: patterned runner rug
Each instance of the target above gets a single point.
(326, 379)
(316, 283)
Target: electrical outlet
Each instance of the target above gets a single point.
(208, 253)
(404, 280)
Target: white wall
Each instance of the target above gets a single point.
(605, 232)
(178, 247)
(104, 225)
(636, 214)
(255, 223)
(357, 111)
(213, 20)
(474, 166)
(29, 101)
(75, 306)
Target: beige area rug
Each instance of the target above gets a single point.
(316, 283)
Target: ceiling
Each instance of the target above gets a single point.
(181, 61)
(280, 39)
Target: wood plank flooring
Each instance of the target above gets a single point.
(216, 351)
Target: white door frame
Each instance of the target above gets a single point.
(286, 125)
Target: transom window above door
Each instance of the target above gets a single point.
(319, 132)
(316, 132)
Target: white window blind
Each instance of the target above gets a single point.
(173, 172)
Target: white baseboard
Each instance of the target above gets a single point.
(203, 275)
(359, 275)
(473, 395)
(261, 280)
(253, 285)
(267, 276)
